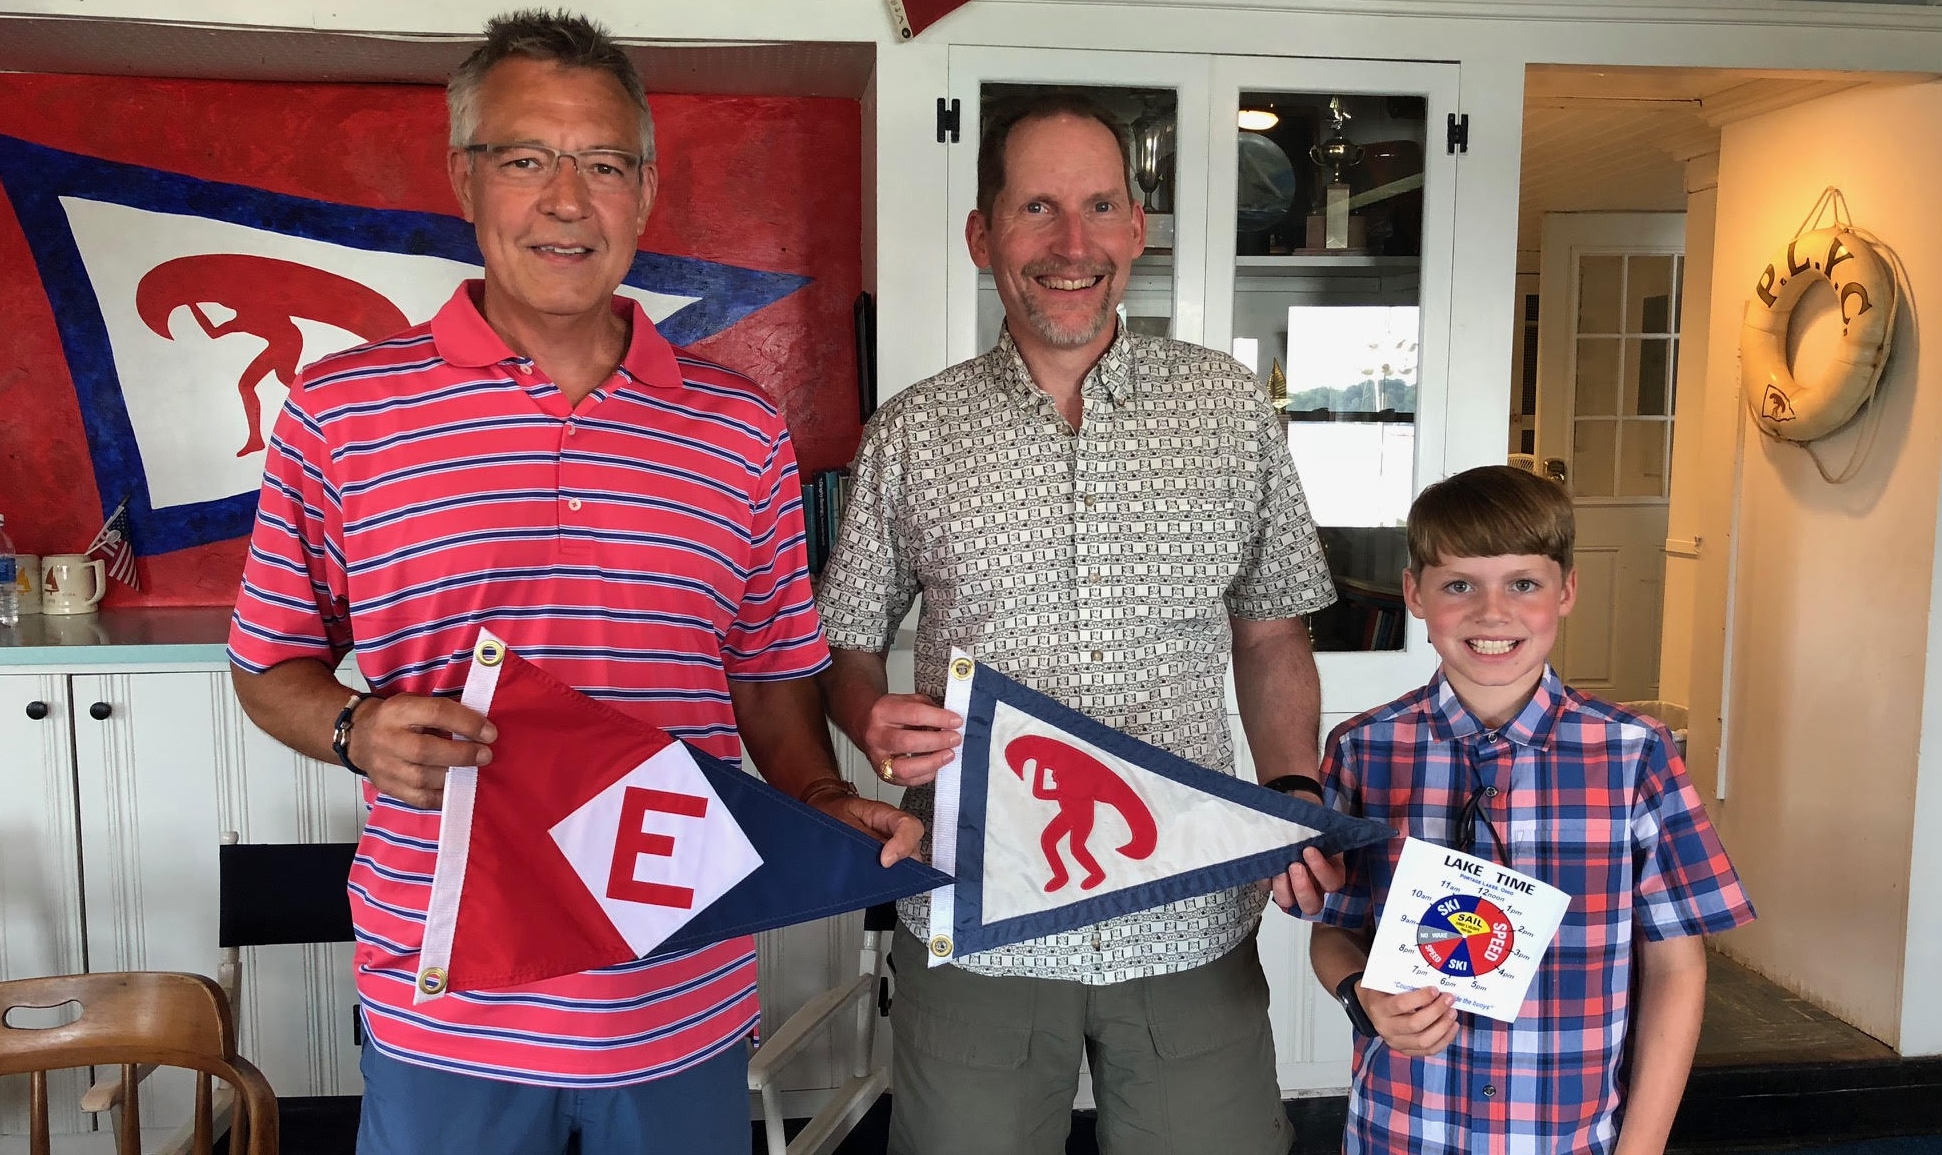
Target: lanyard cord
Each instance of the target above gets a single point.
(1474, 808)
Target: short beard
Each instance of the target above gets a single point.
(1050, 332)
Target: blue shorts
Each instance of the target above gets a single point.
(413, 1110)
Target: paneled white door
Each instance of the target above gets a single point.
(1608, 351)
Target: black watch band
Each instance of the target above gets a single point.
(340, 734)
(1289, 783)
(1352, 1004)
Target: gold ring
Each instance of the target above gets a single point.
(884, 771)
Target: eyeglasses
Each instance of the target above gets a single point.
(1465, 834)
(533, 165)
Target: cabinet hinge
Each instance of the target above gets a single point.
(947, 120)
(1459, 133)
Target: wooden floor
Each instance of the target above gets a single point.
(1752, 1021)
(1749, 1022)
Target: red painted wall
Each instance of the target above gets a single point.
(768, 183)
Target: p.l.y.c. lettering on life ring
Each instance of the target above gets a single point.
(1864, 287)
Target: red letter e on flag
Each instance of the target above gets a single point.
(631, 842)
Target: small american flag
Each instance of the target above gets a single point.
(111, 544)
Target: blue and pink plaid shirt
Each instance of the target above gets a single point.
(1592, 799)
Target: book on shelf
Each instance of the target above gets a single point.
(824, 496)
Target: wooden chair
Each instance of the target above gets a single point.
(269, 894)
(131, 1018)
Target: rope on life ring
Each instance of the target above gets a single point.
(1862, 273)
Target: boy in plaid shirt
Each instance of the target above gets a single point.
(1499, 758)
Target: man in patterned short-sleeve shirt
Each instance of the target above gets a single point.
(1107, 518)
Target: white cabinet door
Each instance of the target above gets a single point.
(172, 766)
(40, 870)
(1330, 249)
(1362, 330)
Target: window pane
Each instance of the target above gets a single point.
(1352, 361)
(1598, 293)
(1648, 294)
(1592, 450)
(1355, 473)
(1642, 459)
(1597, 391)
(1648, 375)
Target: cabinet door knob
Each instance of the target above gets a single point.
(37, 710)
(100, 711)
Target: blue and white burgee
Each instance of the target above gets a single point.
(1049, 821)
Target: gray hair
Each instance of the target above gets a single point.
(563, 38)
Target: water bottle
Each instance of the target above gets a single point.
(9, 580)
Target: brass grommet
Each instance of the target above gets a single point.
(961, 668)
(490, 651)
(431, 980)
(941, 945)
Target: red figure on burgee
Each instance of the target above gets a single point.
(1079, 783)
(267, 296)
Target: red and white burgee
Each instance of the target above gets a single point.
(597, 839)
(913, 16)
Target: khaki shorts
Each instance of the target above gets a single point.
(1182, 1064)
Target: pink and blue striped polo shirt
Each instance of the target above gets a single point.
(643, 546)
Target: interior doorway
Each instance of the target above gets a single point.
(1607, 386)
(1617, 395)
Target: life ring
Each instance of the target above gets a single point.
(1864, 286)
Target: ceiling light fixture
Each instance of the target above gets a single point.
(1258, 119)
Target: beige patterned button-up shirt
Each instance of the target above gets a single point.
(1098, 566)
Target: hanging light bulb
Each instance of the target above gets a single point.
(1258, 119)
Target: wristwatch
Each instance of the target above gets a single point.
(1289, 783)
(340, 733)
(1352, 1004)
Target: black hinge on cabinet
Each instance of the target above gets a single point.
(947, 120)
(1459, 133)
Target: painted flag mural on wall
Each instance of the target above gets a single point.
(1051, 821)
(172, 252)
(150, 271)
(562, 857)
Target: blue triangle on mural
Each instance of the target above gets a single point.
(812, 865)
(99, 228)
(1050, 821)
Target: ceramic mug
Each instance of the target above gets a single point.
(27, 582)
(71, 583)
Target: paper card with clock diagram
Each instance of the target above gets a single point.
(1476, 929)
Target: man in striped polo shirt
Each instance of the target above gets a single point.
(538, 460)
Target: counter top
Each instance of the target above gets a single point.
(119, 637)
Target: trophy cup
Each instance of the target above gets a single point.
(1331, 227)
(1152, 132)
